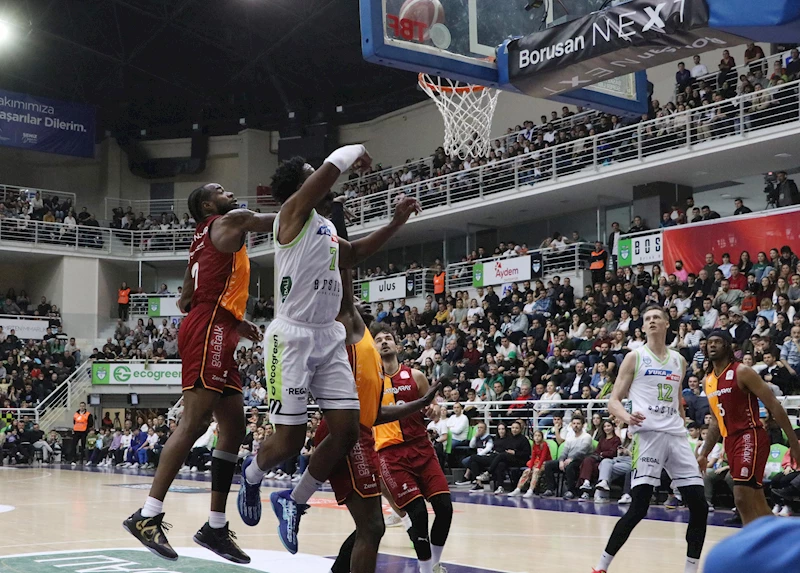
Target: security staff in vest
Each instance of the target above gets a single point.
(598, 263)
(82, 422)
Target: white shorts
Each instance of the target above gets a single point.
(302, 358)
(654, 451)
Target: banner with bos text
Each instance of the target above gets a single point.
(24, 328)
(48, 125)
(137, 373)
(644, 249)
(501, 271)
(752, 233)
(386, 289)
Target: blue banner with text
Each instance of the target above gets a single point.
(48, 125)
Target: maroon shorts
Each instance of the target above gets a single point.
(207, 341)
(358, 472)
(748, 452)
(412, 470)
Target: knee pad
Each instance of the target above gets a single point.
(442, 505)
(694, 498)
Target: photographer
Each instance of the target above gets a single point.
(786, 191)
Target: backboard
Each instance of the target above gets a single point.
(459, 39)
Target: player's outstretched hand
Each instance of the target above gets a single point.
(636, 419)
(702, 462)
(430, 395)
(405, 208)
(363, 162)
(250, 331)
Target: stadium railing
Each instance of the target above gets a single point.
(156, 207)
(426, 164)
(678, 134)
(495, 412)
(573, 258)
(12, 192)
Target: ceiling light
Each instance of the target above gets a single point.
(726, 195)
(782, 155)
(242, 121)
(5, 32)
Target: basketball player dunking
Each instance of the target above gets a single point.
(651, 377)
(305, 351)
(355, 480)
(733, 391)
(215, 292)
(408, 464)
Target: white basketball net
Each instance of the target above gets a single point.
(467, 111)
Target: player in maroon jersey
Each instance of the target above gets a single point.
(733, 391)
(215, 291)
(409, 467)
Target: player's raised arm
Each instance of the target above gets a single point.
(622, 386)
(351, 254)
(227, 232)
(753, 382)
(296, 209)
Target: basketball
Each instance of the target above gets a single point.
(427, 12)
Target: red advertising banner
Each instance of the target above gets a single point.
(751, 233)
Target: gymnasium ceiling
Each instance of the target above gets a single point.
(163, 65)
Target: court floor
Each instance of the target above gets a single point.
(55, 519)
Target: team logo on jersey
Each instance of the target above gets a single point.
(324, 230)
(286, 287)
(646, 361)
(404, 374)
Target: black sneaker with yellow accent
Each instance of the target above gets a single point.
(150, 533)
(222, 542)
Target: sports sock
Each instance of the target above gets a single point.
(406, 522)
(426, 566)
(691, 565)
(436, 553)
(605, 562)
(152, 507)
(217, 519)
(254, 474)
(305, 488)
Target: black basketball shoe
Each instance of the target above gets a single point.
(150, 532)
(221, 541)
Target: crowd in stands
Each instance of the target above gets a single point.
(27, 207)
(541, 343)
(31, 369)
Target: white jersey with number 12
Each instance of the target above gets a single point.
(656, 392)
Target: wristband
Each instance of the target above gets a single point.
(344, 157)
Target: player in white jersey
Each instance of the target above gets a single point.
(305, 345)
(651, 377)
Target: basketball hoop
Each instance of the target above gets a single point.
(467, 110)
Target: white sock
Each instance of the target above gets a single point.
(217, 519)
(436, 553)
(305, 488)
(406, 522)
(426, 566)
(152, 507)
(605, 562)
(254, 474)
(691, 565)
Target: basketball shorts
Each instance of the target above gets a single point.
(748, 453)
(358, 472)
(302, 358)
(654, 451)
(207, 341)
(412, 470)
